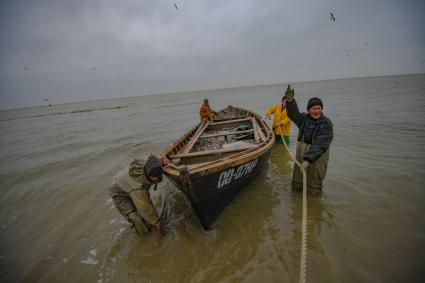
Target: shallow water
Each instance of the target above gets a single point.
(58, 223)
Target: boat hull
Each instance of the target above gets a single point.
(209, 194)
(211, 178)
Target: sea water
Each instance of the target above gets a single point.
(58, 223)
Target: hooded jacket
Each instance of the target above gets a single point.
(205, 111)
(280, 118)
(129, 183)
(133, 181)
(318, 133)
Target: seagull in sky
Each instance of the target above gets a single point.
(25, 68)
(332, 17)
(45, 99)
(175, 5)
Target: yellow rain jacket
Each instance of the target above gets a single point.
(280, 119)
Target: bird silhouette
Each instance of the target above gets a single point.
(332, 17)
(25, 68)
(45, 99)
(175, 5)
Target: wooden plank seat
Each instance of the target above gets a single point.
(210, 152)
(230, 121)
(227, 133)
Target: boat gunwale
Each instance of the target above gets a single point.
(219, 164)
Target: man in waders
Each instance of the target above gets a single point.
(314, 139)
(281, 122)
(130, 193)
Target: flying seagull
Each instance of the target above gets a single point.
(175, 5)
(332, 17)
(25, 68)
(45, 99)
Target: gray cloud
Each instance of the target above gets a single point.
(143, 47)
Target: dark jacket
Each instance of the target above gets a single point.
(318, 133)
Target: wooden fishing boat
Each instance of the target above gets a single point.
(216, 159)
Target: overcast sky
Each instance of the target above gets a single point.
(78, 50)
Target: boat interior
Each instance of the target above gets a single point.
(218, 138)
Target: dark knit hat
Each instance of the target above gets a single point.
(314, 101)
(153, 166)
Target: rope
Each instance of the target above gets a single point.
(303, 260)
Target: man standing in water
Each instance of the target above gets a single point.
(281, 122)
(130, 193)
(314, 139)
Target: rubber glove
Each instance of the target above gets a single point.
(288, 89)
(289, 95)
(158, 229)
(165, 161)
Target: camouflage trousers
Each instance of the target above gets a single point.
(316, 171)
(124, 203)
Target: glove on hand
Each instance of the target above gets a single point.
(158, 229)
(289, 94)
(304, 165)
(165, 161)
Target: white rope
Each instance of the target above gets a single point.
(303, 260)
